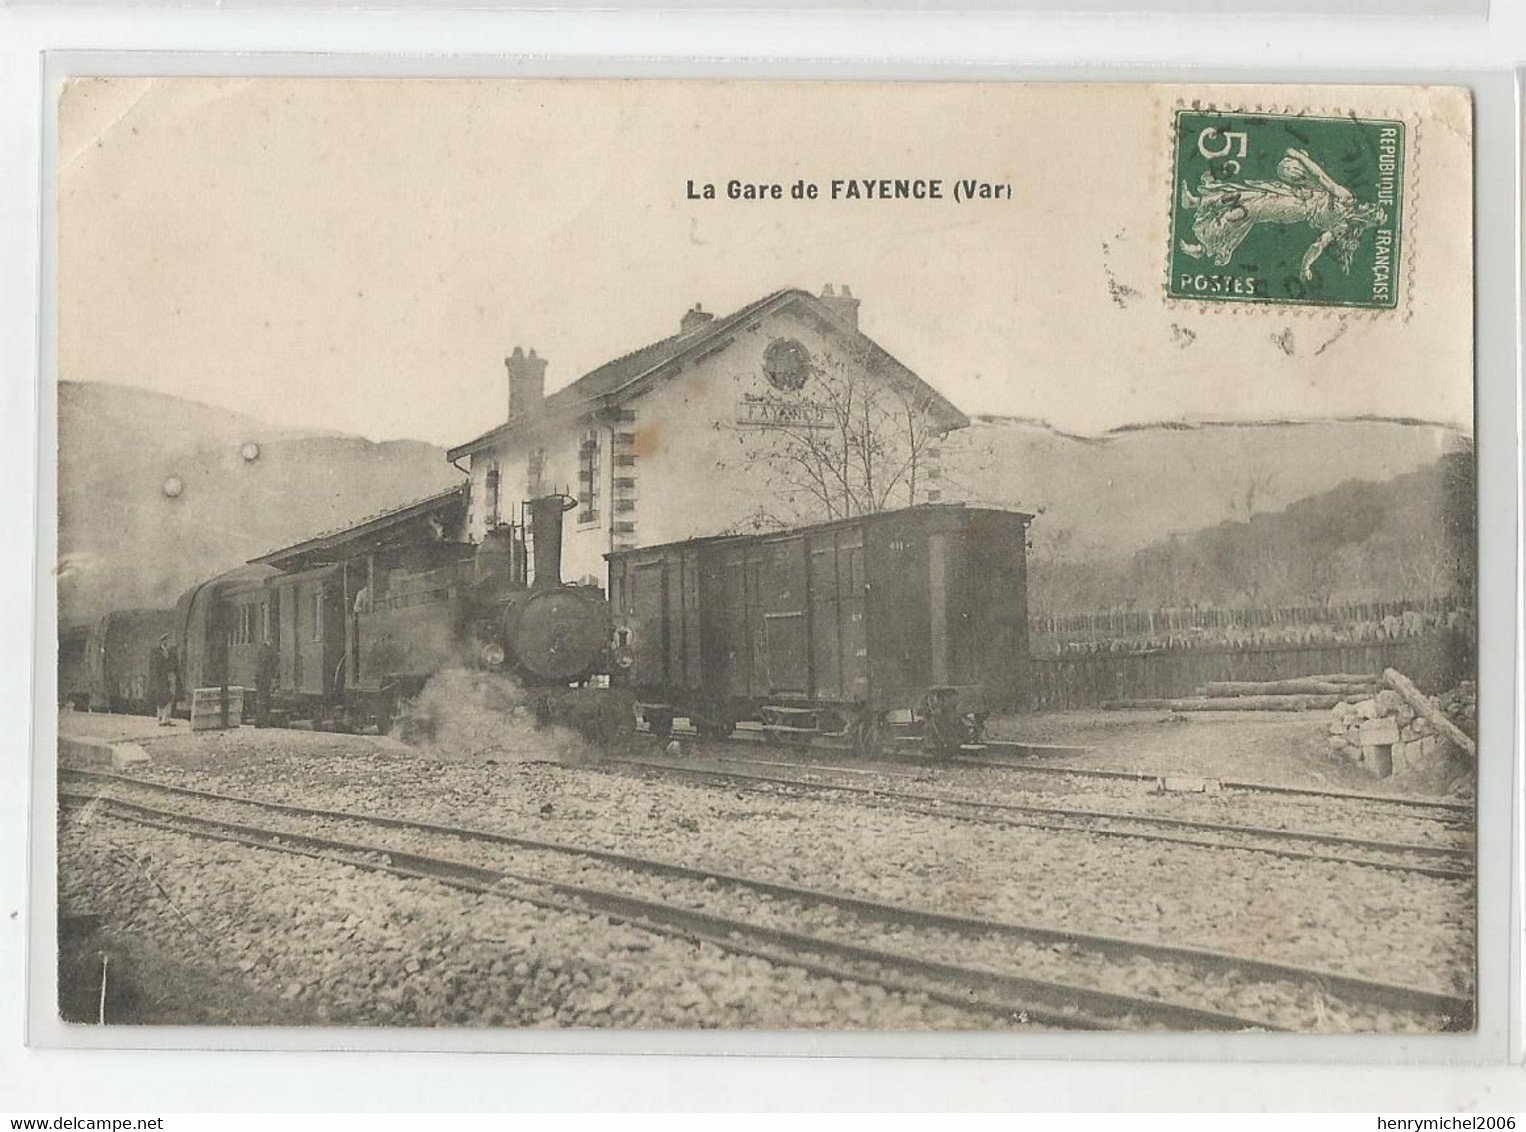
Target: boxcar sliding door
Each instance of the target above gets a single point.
(839, 649)
(786, 593)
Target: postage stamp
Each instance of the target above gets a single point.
(1273, 208)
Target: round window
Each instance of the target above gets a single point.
(787, 364)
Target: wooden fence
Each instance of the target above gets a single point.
(1066, 682)
(1051, 631)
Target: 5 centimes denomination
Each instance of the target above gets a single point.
(1287, 208)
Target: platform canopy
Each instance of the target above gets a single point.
(437, 518)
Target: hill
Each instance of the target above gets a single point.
(1128, 487)
(1099, 500)
(125, 541)
(1409, 537)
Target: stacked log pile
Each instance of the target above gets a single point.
(1306, 693)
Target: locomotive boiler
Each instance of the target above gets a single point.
(556, 640)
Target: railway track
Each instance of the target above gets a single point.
(1441, 861)
(1446, 809)
(1020, 758)
(1007, 971)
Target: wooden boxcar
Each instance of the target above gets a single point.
(829, 629)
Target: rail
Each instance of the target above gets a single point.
(1078, 1005)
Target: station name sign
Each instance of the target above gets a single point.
(757, 413)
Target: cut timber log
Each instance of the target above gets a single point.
(1346, 678)
(1412, 696)
(1242, 703)
(1307, 685)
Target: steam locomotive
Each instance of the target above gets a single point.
(351, 643)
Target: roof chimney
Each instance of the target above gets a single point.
(527, 382)
(696, 319)
(843, 305)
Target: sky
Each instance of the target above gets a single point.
(360, 255)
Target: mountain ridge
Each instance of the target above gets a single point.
(156, 493)
(246, 487)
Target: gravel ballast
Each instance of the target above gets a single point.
(1298, 1004)
(1334, 916)
(365, 948)
(1392, 927)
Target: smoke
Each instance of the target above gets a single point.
(475, 715)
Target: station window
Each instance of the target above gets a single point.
(588, 478)
(318, 614)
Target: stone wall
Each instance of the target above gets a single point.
(1385, 735)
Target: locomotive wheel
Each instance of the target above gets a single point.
(866, 733)
(977, 731)
(715, 727)
(660, 720)
(615, 722)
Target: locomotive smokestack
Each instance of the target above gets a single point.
(546, 535)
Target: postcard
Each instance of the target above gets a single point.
(668, 555)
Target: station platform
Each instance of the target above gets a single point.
(98, 739)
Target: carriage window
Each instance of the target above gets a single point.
(243, 625)
(318, 615)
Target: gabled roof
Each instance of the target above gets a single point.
(630, 374)
(367, 534)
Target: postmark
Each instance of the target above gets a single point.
(1287, 209)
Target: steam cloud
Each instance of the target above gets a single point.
(476, 715)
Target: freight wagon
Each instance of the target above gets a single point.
(916, 618)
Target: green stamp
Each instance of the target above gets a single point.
(1284, 208)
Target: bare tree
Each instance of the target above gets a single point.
(847, 442)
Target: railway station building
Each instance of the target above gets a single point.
(780, 412)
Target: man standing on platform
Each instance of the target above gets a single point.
(163, 678)
(264, 682)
